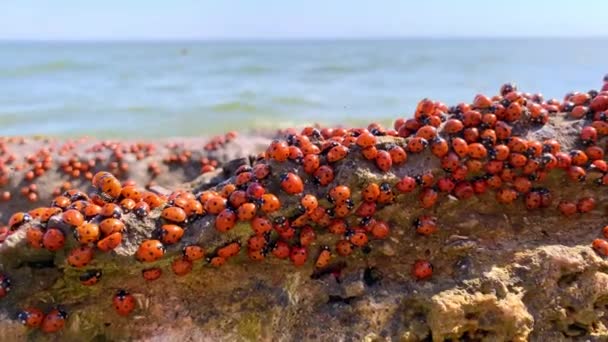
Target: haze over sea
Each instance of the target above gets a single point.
(153, 89)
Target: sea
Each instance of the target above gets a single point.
(148, 89)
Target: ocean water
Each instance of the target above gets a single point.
(152, 89)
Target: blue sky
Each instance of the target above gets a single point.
(279, 19)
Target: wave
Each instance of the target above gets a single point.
(294, 100)
(45, 68)
(234, 107)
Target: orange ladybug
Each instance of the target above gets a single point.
(344, 247)
(17, 219)
(384, 161)
(150, 251)
(291, 183)
(123, 302)
(229, 250)
(151, 274)
(110, 225)
(325, 175)
(109, 242)
(181, 266)
(193, 252)
(141, 209)
(171, 233)
(87, 233)
(80, 256)
(226, 220)
(174, 214)
(324, 257)
(53, 239)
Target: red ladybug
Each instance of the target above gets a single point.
(123, 302)
(422, 269)
(31, 317)
(298, 255)
(54, 321)
(426, 225)
(90, 277)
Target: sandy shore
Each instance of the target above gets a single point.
(65, 163)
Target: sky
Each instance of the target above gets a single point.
(298, 19)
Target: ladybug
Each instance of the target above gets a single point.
(422, 269)
(576, 174)
(291, 183)
(585, 204)
(123, 302)
(439, 147)
(506, 195)
(109, 242)
(281, 250)
(181, 266)
(386, 194)
(261, 171)
(61, 202)
(80, 256)
(428, 197)
(87, 233)
(426, 225)
(398, 154)
(127, 205)
(337, 153)
(92, 210)
(17, 219)
(339, 194)
(380, 230)
(278, 150)
(246, 212)
(53, 239)
(171, 233)
(416, 145)
(337, 227)
(567, 208)
(261, 225)
(298, 255)
(325, 174)
(54, 320)
(193, 252)
(229, 250)
(366, 139)
(309, 203)
(90, 277)
(477, 151)
(311, 163)
(358, 238)
(109, 226)
(270, 203)
(109, 187)
(151, 274)
(445, 184)
(111, 210)
(150, 251)
(256, 242)
(216, 261)
(307, 236)
(453, 126)
(344, 247)
(600, 246)
(174, 214)
(31, 317)
(225, 221)
(371, 192)
(34, 237)
(255, 191)
(460, 146)
(132, 193)
(324, 257)
(5, 285)
(384, 160)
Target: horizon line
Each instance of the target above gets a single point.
(286, 39)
